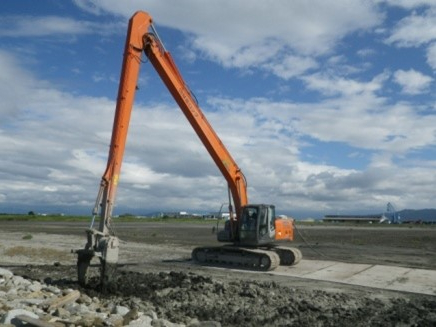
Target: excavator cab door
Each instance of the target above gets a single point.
(257, 225)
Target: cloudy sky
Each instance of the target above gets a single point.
(328, 106)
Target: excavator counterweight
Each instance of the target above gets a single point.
(252, 230)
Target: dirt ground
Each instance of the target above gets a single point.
(155, 271)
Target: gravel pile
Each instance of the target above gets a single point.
(25, 302)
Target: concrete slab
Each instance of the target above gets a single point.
(423, 281)
(379, 276)
(307, 267)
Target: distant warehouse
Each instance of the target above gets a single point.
(353, 218)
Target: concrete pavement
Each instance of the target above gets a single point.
(413, 280)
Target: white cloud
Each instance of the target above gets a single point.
(367, 122)
(13, 95)
(292, 66)
(366, 52)
(31, 26)
(410, 4)
(334, 85)
(431, 55)
(412, 81)
(414, 30)
(356, 116)
(272, 35)
(88, 6)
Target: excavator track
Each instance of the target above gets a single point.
(236, 257)
(289, 256)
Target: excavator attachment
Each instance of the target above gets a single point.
(83, 263)
(106, 248)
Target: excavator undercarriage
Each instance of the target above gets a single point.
(260, 259)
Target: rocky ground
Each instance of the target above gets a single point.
(157, 283)
(29, 302)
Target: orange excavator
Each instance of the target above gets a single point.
(253, 230)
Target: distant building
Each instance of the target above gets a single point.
(353, 218)
(209, 216)
(172, 214)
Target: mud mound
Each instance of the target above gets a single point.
(181, 296)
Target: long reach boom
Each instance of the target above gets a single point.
(102, 242)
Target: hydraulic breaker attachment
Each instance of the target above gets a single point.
(106, 248)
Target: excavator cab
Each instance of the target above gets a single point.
(257, 225)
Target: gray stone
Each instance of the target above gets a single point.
(90, 320)
(194, 322)
(61, 313)
(10, 316)
(115, 320)
(76, 309)
(32, 301)
(6, 273)
(121, 310)
(131, 315)
(35, 287)
(205, 324)
(143, 321)
(165, 323)
(12, 291)
(85, 299)
(20, 281)
(151, 314)
(51, 289)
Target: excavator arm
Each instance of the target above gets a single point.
(143, 38)
(168, 72)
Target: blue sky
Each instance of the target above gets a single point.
(328, 106)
